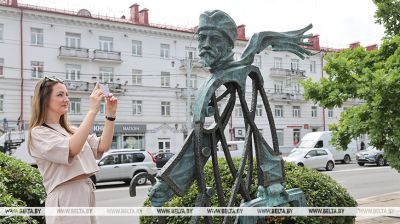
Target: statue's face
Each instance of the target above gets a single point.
(213, 46)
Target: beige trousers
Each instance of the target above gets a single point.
(77, 193)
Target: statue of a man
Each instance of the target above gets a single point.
(217, 34)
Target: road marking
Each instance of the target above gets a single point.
(121, 188)
(379, 195)
(360, 169)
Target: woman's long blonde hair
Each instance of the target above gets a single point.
(40, 102)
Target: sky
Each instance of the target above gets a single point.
(338, 22)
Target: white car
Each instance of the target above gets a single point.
(312, 158)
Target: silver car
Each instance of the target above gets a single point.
(371, 155)
(124, 164)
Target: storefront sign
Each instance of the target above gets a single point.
(122, 128)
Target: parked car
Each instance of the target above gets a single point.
(322, 139)
(162, 158)
(371, 155)
(124, 164)
(312, 158)
(235, 148)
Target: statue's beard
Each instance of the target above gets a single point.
(209, 57)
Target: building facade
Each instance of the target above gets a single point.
(152, 69)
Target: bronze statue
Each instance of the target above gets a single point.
(217, 33)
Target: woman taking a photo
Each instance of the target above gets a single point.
(66, 156)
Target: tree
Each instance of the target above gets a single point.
(372, 77)
(388, 14)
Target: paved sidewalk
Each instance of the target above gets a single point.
(384, 200)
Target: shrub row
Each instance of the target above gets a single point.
(320, 191)
(20, 186)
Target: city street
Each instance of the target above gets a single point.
(361, 182)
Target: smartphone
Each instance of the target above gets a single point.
(104, 88)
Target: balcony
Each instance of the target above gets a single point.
(107, 56)
(287, 73)
(279, 72)
(195, 63)
(78, 86)
(73, 53)
(116, 88)
(286, 96)
(300, 74)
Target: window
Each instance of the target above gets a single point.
(133, 142)
(259, 109)
(1, 67)
(191, 108)
(73, 40)
(296, 136)
(190, 52)
(106, 43)
(279, 133)
(296, 111)
(37, 69)
(312, 153)
(320, 144)
(106, 74)
(312, 66)
(165, 79)
(193, 81)
(321, 152)
(1, 103)
(111, 160)
(277, 62)
(296, 87)
(238, 111)
(1, 32)
(136, 48)
(74, 106)
(294, 64)
(278, 111)
(164, 144)
(136, 77)
(164, 50)
(278, 86)
(103, 108)
(136, 107)
(37, 36)
(257, 61)
(313, 111)
(330, 113)
(132, 157)
(73, 72)
(165, 108)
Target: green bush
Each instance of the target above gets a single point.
(20, 186)
(320, 191)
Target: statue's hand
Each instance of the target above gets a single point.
(160, 193)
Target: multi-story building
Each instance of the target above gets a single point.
(152, 69)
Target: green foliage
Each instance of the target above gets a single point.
(320, 190)
(20, 186)
(388, 14)
(374, 78)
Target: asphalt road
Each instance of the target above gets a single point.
(361, 182)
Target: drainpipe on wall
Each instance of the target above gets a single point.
(21, 116)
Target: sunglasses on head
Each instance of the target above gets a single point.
(53, 79)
